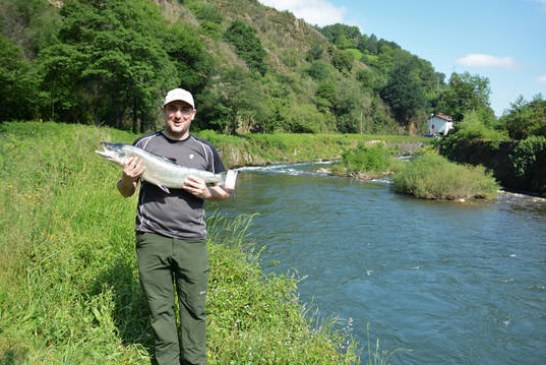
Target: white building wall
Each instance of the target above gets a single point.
(439, 126)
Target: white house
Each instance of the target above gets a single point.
(439, 124)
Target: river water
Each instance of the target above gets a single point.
(434, 282)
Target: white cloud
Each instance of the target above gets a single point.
(483, 60)
(316, 12)
(541, 79)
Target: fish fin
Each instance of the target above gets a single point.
(170, 159)
(164, 189)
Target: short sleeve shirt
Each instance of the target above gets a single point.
(176, 214)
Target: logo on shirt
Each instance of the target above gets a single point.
(192, 156)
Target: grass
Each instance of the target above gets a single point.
(69, 291)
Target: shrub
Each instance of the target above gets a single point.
(528, 161)
(365, 161)
(526, 119)
(431, 176)
(479, 125)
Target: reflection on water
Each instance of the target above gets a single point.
(455, 283)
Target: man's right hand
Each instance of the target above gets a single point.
(132, 169)
(130, 174)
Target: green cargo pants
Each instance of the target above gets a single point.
(163, 261)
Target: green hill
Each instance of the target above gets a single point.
(251, 67)
(69, 291)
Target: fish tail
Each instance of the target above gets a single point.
(229, 178)
(225, 179)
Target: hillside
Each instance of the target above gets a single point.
(251, 67)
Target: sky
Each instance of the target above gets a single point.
(503, 40)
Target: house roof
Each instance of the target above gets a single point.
(443, 116)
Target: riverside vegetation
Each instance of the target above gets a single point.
(427, 175)
(69, 291)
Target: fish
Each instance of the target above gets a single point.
(159, 170)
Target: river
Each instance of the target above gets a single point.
(434, 282)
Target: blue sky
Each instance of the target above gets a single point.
(503, 40)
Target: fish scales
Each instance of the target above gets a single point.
(159, 170)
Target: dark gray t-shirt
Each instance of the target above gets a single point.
(177, 214)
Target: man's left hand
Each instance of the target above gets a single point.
(197, 187)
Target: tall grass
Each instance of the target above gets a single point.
(69, 290)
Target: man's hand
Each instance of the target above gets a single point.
(130, 174)
(132, 169)
(199, 188)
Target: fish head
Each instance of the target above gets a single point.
(114, 152)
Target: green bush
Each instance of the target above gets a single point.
(527, 153)
(431, 176)
(478, 125)
(526, 119)
(528, 159)
(365, 161)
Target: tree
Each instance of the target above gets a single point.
(233, 103)
(464, 93)
(60, 67)
(314, 53)
(247, 45)
(340, 60)
(526, 119)
(31, 24)
(404, 91)
(347, 108)
(319, 70)
(478, 125)
(343, 36)
(18, 94)
(326, 95)
(193, 63)
(108, 68)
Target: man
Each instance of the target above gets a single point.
(171, 233)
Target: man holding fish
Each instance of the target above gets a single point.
(171, 232)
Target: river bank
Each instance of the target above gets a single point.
(69, 289)
(267, 149)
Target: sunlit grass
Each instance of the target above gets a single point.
(69, 291)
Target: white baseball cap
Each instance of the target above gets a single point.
(179, 94)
